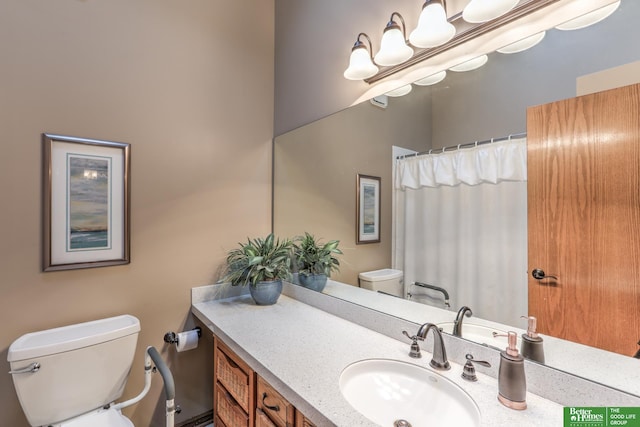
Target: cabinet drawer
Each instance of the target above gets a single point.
(228, 410)
(277, 408)
(262, 420)
(302, 421)
(218, 422)
(234, 375)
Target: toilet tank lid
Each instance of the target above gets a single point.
(72, 337)
(378, 275)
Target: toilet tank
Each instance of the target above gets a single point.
(386, 280)
(82, 367)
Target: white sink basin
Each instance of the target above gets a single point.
(479, 334)
(387, 391)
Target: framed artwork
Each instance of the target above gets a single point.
(86, 206)
(368, 209)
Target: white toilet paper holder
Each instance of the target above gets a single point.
(172, 337)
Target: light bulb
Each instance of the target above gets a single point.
(401, 91)
(433, 28)
(485, 10)
(393, 48)
(471, 64)
(432, 79)
(589, 18)
(523, 44)
(360, 65)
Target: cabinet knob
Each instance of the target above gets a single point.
(275, 408)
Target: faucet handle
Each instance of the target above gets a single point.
(415, 348)
(469, 370)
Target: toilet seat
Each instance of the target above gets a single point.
(99, 418)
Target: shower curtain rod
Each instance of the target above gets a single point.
(459, 146)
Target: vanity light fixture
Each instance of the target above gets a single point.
(524, 44)
(589, 18)
(432, 79)
(393, 47)
(401, 91)
(472, 64)
(485, 25)
(433, 27)
(361, 64)
(485, 10)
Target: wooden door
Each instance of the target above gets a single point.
(584, 218)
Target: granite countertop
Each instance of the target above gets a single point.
(302, 351)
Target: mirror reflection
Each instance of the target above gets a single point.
(316, 167)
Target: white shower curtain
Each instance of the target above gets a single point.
(461, 224)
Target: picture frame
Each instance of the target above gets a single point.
(368, 209)
(86, 203)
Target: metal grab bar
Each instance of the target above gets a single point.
(435, 288)
(169, 386)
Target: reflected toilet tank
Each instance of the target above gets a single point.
(387, 280)
(80, 367)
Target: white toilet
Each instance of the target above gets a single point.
(70, 376)
(387, 280)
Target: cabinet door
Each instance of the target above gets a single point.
(262, 420)
(234, 375)
(277, 408)
(233, 389)
(584, 218)
(228, 410)
(302, 421)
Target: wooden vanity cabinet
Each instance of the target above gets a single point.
(242, 398)
(233, 388)
(302, 421)
(276, 407)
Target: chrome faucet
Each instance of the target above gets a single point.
(457, 324)
(439, 360)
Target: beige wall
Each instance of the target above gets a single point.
(316, 168)
(190, 86)
(313, 44)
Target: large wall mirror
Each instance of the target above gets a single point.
(315, 166)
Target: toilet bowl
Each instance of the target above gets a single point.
(71, 376)
(387, 280)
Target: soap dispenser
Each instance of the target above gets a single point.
(512, 384)
(531, 347)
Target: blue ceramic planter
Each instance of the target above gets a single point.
(315, 282)
(266, 293)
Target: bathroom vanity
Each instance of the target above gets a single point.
(301, 351)
(243, 398)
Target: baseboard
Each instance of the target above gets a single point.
(198, 421)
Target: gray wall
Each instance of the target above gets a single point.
(316, 168)
(314, 38)
(492, 101)
(313, 43)
(481, 104)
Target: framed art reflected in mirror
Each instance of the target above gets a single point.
(368, 209)
(86, 189)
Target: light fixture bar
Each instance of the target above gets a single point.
(464, 33)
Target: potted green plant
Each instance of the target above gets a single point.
(315, 261)
(261, 263)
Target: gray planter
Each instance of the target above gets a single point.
(266, 293)
(315, 282)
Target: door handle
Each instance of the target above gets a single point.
(539, 274)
